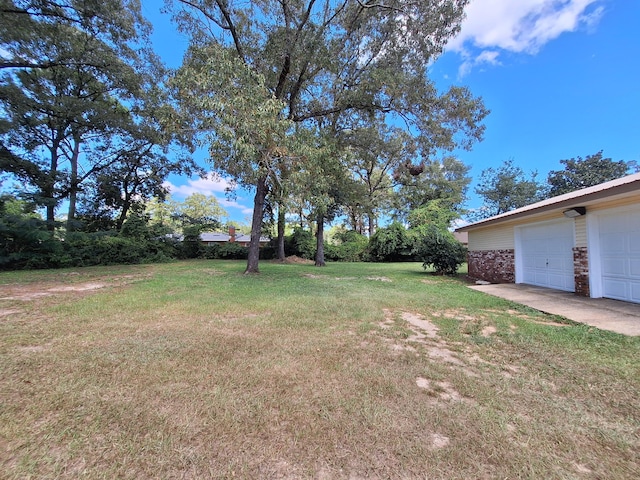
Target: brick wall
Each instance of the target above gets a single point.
(495, 266)
(581, 271)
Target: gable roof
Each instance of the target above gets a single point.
(214, 237)
(225, 237)
(584, 197)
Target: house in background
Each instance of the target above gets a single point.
(462, 237)
(212, 238)
(587, 242)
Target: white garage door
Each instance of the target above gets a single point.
(547, 255)
(620, 255)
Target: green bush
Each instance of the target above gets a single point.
(351, 246)
(301, 243)
(210, 252)
(25, 242)
(438, 248)
(191, 246)
(392, 244)
(232, 251)
(224, 251)
(107, 248)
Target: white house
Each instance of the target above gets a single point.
(587, 242)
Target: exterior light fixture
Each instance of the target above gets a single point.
(575, 212)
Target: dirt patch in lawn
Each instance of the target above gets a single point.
(417, 331)
(379, 279)
(32, 291)
(294, 260)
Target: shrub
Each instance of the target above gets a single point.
(25, 242)
(232, 251)
(301, 243)
(191, 247)
(392, 244)
(438, 248)
(351, 247)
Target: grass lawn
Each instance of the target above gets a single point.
(192, 370)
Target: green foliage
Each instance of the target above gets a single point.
(224, 251)
(392, 244)
(83, 107)
(301, 243)
(257, 73)
(585, 172)
(191, 246)
(444, 182)
(437, 212)
(199, 209)
(232, 251)
(507, 188)
(136, 227)
(438, 248)
(350, 246)
(25, 242)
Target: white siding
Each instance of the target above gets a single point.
(497, 238)
(581, 231)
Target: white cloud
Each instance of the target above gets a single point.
(518, 26)
(234, 204)
(485, 57)
(211, 184)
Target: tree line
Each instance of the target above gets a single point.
(508, 187)
(323, 108)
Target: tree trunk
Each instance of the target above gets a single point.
(126, 205)
(256, 225)
(48, 190)
(372, 224)
(73, 185)
(281, 226)
(320, 242)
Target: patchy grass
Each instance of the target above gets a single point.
(192, 370)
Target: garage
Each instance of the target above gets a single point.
(546, 255)
(620, 255)
(586, 242)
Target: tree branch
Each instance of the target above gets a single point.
(230, 26)
(378, 5)
(338, 109)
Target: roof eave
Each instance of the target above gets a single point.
(583, 200)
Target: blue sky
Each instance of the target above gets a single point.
(561, 78)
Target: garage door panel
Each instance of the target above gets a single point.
(547, 255)
(557, 281)
(611, 243)
(615, 289)
(541, 279)
(539, 262)
(560, 264)
(634, 268)
(620, 255)
(614, 266)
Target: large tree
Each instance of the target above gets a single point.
(82, 103)
(437, 184)
(328, 62)
(585, 172)
(506, 188)
(376, 152)
(89, 34)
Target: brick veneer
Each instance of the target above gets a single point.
(581, 271)
(496, 266)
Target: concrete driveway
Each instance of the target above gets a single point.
(603, 313)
